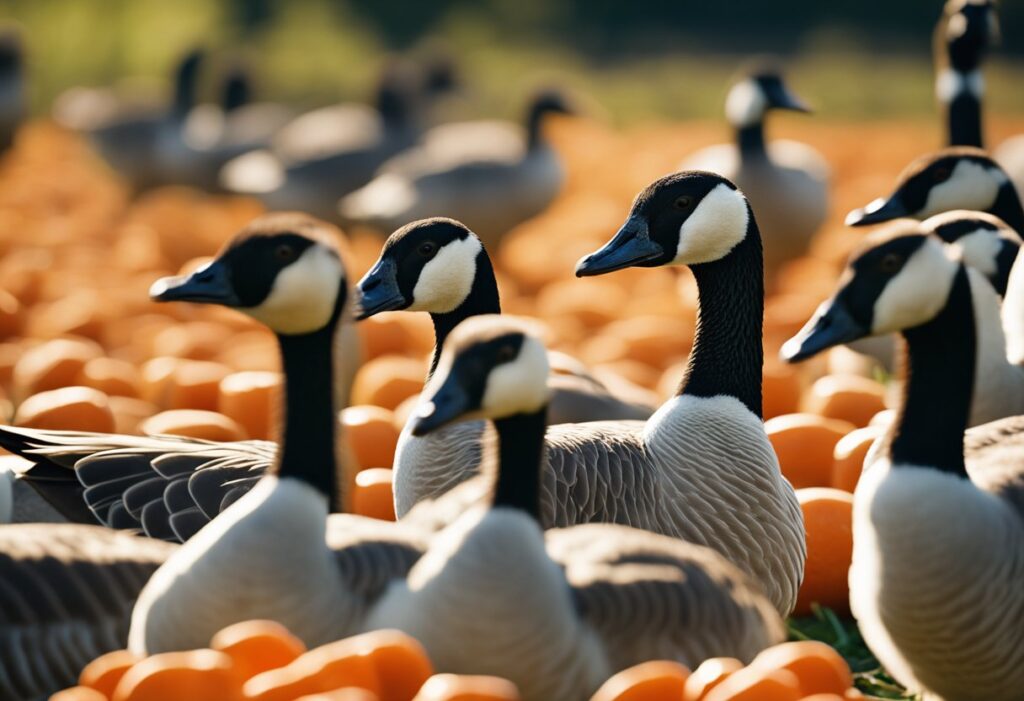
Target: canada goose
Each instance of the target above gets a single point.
(315, 574)
(938, 552)
(441, 267)
(1013, 313)
(556, 612)
(13, 107)
(133, 138)
(959, 177)
(66, 595)
(482, 182)
(984, 242)
(962, 39)
(168, 487)
(786, 181)
(329, 152)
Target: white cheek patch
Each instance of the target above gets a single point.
(519, 386)
(444, 283)
(950, 83)
(716, 226)
(745, 104)
(918, 292)
(956, 26)
(970, 186)
(979, 249)
(303, 296)
(1013, 312)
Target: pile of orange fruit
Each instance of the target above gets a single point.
(262, 661)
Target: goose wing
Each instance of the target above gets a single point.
(66, 596)
(371, 553)
(141, 482)
(650, 597)
(993, 454)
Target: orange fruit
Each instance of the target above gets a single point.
(156, 377)
(51, 365)
(848, 456)
(129, 413)
(196, 675)
(708, 675)
(824, 697)
(78, 693)
(103, 673)
(398, 334)
(256, 646)
(804, 444)
(326, 668)
(71, 408)
(652, 339)
(388, 380)
(818, 667)
(650, 681)
(348, 693)
(463, 687)
(374, 495)
(208, 425)
(852, 694)
(847, 398)
(111, 376)
(251, 398)
(371, 432)
(401, 662)
(195, 384)
(781, 389)
(828, 519)
(755, 684)
(11, 316)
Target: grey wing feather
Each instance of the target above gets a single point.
(371, 553)
(66, 595)
(994, 453)
(653, 597)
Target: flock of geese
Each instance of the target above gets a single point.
(550, 531)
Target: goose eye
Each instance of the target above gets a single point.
(891, 263)
(683, 202)
(506, 353)
(284, 253)
(427, 249)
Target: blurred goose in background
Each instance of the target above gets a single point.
(66, 596)
(786, 181)
(314, 573)
(134, 137)
(938, 555)
(13, 89)
(556, 612)
(963, 36)
(324, 154)
(439, 266)
(167, 487)
(475, 173)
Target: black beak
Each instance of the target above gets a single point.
(378, 290)
(783, 99)
(830, 326)
(631, 246)
(209, 285)
(878, 211)
(448, 404)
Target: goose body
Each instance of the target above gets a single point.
(478, 175)
(938, 545)
(555, 612)
(277, 537)
(786, 181)
(701, 467)
(66, 596)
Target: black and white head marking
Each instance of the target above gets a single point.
(982, 241)
(428, 265)
(752, 97)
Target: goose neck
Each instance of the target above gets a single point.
(520, 457)
(309, 416)
(750, 139)
(185, 88)
(1008, 207)
(483, 298)
(939, 366)
(963, 120)
(728, 354)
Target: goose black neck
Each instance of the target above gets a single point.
(185, 86)
(750, 139)
(727, 354)
(939, 366)
(1008, 207)
(520, 459)
(237, 92)
(482, 299)
(964, 120)
(534, 127)
(309, 429)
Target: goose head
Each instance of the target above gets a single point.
(900, 278)
(982, 241)
(968, 28)
(429, 265)
(687, 218)
(492, 367)
(760, 91)
(283, 270)
(960, 177)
